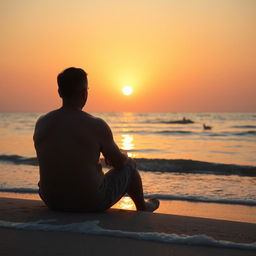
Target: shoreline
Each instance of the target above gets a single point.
(132, 233)
(229, 212)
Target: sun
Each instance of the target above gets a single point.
(127, 90)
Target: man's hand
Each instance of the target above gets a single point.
(108, 163)
(124, 152)
(132, 162)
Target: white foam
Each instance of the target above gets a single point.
(92, 228)
(202, 199)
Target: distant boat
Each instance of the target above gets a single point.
(207, 127)
(182, 121)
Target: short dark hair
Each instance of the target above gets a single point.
(70, 81)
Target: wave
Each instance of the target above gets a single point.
(210, 133)
(16, 159)
(245, 133)
(144, 150)
(217, 134)
(186, 132)
(156, 132)
(164, 165)
(187, 121)
(248, 202)
(244, 126)
(222, 134)
(174, 132)
(193, 166)
(92, 228)
(179, 121)
(19, 190)
(202, 199)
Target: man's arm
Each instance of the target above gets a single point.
(109, 149)
(37, 130)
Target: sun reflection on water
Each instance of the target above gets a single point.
(128, 144)
(125, 203)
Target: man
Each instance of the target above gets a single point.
(68, 143)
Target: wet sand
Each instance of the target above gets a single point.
(240, 213)
(27, 242)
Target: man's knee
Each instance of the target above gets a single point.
(134, 173)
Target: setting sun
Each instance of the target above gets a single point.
(127, 90)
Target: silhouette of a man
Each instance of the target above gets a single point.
(68, 142)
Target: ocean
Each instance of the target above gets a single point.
(178, 159)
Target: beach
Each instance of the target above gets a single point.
(103, 100)
(238, 213)
(28, 227)
(205, 181)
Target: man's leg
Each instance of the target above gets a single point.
(135, 191)
(126, 180)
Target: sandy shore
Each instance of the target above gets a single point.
(33, 242)
(240, 213)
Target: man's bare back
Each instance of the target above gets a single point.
(69, 142)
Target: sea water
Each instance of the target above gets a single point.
(177, 159)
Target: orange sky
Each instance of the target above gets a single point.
(194, 55)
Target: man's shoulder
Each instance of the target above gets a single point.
(94, 119)
(99, 126)
(47, 116)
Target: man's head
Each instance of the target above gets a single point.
(72, 83)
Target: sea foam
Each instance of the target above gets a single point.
(202, 199)
(92, 228)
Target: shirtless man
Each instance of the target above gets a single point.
(68, 142)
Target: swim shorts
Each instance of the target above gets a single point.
(115, 186)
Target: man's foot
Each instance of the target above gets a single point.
(151, 205)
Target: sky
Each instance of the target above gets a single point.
(179, 56)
